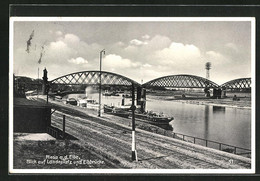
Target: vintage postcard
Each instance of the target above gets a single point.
(132, 95)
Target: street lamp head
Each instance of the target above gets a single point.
(103, 51)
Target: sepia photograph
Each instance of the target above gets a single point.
(132, 95)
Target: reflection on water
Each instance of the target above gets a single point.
(227, 125)
(206, 116)
(218, 109)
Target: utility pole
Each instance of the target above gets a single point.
(134, 153)
(99, 110)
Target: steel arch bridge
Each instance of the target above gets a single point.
(238, 84)
(181, 81)
(92, 78)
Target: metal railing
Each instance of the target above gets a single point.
(209, 143)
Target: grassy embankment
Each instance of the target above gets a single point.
(58, 154)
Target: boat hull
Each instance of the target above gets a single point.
(126, 112)
(154, 120)
(116, 111)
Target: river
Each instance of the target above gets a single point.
(222, 124)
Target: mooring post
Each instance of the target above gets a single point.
(63, 130)
(134, 154)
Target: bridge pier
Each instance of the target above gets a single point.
(141, 98)
(207, 92)
(217, 93)
(224, 92)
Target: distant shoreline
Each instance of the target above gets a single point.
(243, 103)
(202, 102)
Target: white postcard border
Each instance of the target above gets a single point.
(132, 171)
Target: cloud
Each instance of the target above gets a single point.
(146, 65)
(120, 44)
(158, 42)
(178, 54)
(142, 53)
(216, 57)
(71, 38)
(146, 37)
(78, 60)
(166, 57)
(58, 33)
(69, 46)
(117, 62)
(232, 46)
(137, 42)
(58, 45)
(58, 52)
(213, 54)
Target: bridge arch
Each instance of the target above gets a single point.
(238, 84)
(181, 81)
(92, 78)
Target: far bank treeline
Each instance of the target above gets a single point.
(22, 84)
(29, 84)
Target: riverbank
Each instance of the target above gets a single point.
(226, 102)
(244, 101)
(141, 124)
(82, 111)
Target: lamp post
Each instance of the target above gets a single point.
(99, 110)
(133, 108)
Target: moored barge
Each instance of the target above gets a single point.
(150, 117)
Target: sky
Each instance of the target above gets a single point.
(138, 50)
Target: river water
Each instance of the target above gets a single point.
(222, 124)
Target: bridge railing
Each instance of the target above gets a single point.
(211, 144)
